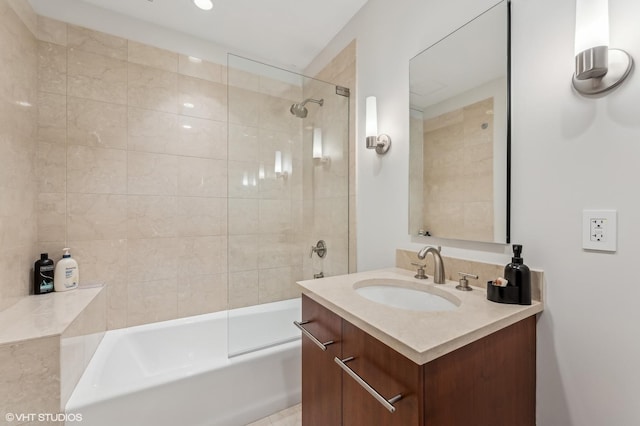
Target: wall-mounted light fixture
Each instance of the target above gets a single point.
(317, 146)
(598, 68)
(381, 143)
(278, 168)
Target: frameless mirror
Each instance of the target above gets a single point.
(460, 134)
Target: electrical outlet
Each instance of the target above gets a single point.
(599, 230)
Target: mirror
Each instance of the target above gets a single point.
(459, 133)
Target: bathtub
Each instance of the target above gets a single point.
(178, 372)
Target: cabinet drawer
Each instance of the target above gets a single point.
(386, 371)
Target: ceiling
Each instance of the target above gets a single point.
(287, 32)
(471, 56)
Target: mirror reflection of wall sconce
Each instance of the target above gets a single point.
(261, 172)
(598, 68)
(317, 146)
(381, 143)
(278, 167)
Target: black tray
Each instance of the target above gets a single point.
(508, 294)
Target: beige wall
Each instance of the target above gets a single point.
(273, 224)
(458, 173)
(142, 188)
(129, 178)
(18, 97)
(341, 70)
(264, 210)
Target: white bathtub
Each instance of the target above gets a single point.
(178, 373)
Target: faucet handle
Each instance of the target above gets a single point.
(320, 248)
(464, 283)
(420, 274)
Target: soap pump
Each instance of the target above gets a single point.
(519, 275)
(66, 275)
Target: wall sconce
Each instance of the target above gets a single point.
(381, 143)
(317, 146)
(598, 68)
(280, 173)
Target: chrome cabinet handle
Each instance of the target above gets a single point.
(387, 403)
(321, 345)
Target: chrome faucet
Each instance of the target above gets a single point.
(438, 265)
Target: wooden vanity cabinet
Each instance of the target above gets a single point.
(321, 377)
(489, 382)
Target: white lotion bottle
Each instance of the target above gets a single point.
(66, 276)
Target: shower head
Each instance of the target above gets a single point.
(299, 109)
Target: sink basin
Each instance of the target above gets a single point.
(404, 295)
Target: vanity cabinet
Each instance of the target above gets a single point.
(321, 377)
(490, 381)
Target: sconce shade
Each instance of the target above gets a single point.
(592, 24)
(317, 143)
(599, 69)
(371, 127)
(381, 143)
(278, 163)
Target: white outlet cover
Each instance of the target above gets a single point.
(599, 230)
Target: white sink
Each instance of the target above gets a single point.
(406, 295)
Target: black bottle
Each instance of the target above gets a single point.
(43, 271)
(518, 274)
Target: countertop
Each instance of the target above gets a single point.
(420, 336)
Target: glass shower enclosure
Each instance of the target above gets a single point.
(288, 177)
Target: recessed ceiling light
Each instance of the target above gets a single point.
(195, 60)
(203, 4)
(186, 126)
(188, 105)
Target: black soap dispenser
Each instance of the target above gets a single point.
(519, 275)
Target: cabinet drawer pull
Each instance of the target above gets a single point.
(387, 403)
(321, 345)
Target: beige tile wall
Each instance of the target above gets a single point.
(265, 250)
(342, 71)
(79, 342)
(130, 178)
(30, 372)
(458, 173)
(18, 115)
(137, 180)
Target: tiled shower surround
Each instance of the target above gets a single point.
(134, 176)
(456, 173)
(18, 192)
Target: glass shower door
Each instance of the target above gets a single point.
(281, 200)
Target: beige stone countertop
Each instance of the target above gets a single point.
(420, 336)
(44, 315)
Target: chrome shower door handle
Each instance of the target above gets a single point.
(387, 403)
(311, 337)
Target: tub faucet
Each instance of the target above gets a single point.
(438, 265)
